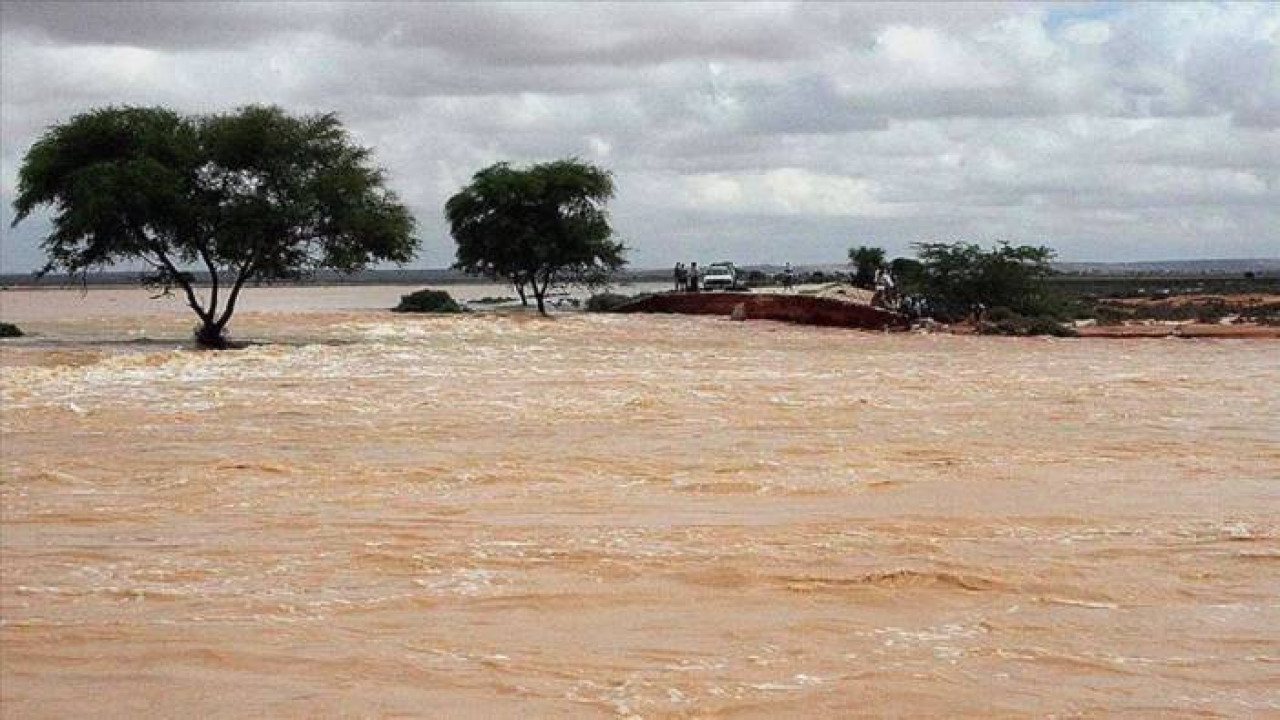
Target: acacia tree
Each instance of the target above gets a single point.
(251, 195)
(866, 260)
(958, 278)
(538, 227)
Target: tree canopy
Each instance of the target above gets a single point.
(866, 260)
(537, 227)
(255, 194)
(958, 278)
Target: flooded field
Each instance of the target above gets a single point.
(615, 516)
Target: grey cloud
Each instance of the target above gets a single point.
(1149, 133)
(158, 25)
(808, 104)
(502, 33)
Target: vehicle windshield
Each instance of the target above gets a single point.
(719, 269)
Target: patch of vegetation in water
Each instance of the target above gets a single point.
(428, 301)
(1003, 321)
(609, 302)
(1200, 310)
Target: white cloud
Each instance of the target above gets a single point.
(784, 191)
(1137, 130)
(1089, 32)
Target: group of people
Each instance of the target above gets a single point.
(686, 278)
(886, 290)
(886, 294)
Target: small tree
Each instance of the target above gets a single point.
(907, 273)
(866, 260)
(958, 278)
(538, 227)
(251, 195)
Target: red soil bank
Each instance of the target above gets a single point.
(804, 309)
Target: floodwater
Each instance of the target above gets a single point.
(377, 515)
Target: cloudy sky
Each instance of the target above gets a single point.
(757, 132)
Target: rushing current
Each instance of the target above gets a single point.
(367, 514)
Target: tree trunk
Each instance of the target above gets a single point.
(524, 299)
(540, 292)
(210, 336)
(213, 333)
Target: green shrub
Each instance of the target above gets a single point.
(1045, 325)
(1001, 313)
(428, 301)
(607, 302)
(1113, 314)
(1263, 313)
(958, 278)
(1019, 326)
(9, 330)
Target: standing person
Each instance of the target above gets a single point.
(885, 288)
(788, 278)
(681, 276)
(693, 277)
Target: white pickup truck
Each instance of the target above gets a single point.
(720, 276)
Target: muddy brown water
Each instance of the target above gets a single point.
(374, 515)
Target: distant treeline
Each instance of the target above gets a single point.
(1209, 276)
(436, 276)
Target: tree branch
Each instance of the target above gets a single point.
(241, 277)
(177, 277)
(213, 280)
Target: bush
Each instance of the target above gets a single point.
(958, 278)
(1264, 313)
(607, 302)
(1001, 313)
(1045, 325)
(9, 330)
(428, 301)
(1019, 326)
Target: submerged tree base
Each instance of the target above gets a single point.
(211, 338)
